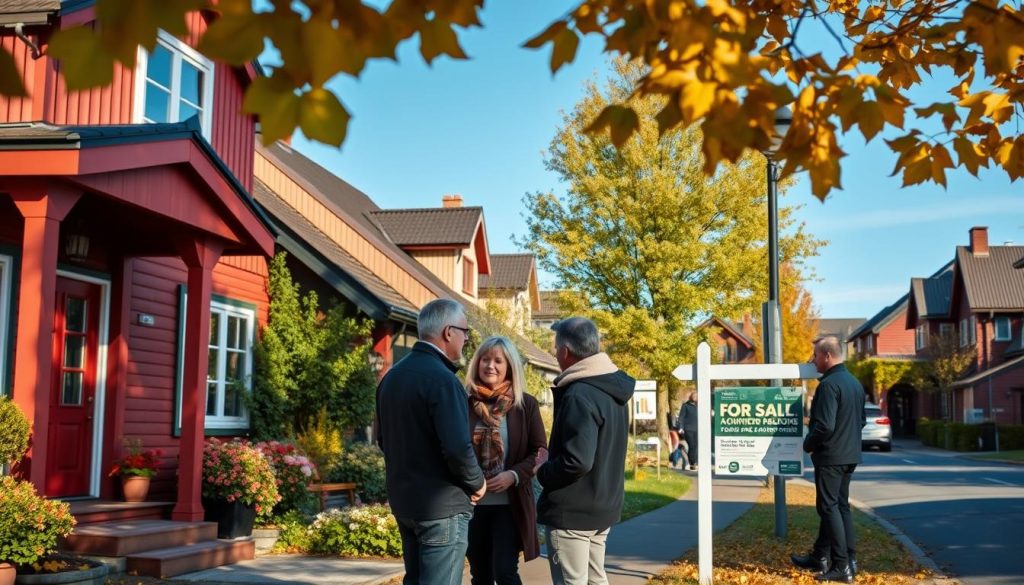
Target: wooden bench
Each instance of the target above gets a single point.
(325, 489)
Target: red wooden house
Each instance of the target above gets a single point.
(984, 308)
(132, 258)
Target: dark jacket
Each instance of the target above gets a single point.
(688, 416)
(583, 480)
(837, 417)
(525, 436)
(421, 426)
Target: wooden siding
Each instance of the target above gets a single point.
(232, 135)
(894, 338)
(325, 220)
(442, 264)
(152, 351)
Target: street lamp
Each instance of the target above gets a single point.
(770, 320)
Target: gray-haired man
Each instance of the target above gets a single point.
(433, 478)
(584, 475)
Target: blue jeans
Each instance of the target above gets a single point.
(434, 550)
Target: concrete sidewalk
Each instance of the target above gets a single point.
(646, 545)
(638, 548)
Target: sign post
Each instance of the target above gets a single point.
(645, 407)
(702, 373)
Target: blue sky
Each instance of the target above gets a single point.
(478, 128)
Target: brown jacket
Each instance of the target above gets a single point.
(525, 437)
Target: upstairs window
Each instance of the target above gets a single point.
(173, 83)
(964, 333)
(945, 330)
(921, 336)
(974, 330)
(468, 277)
(870, 340)
(1002, 327)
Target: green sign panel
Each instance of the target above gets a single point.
(758, 431)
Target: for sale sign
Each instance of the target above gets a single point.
(759, 431)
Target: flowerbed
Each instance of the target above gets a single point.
(357, 531)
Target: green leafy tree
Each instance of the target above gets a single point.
(799, 318)
(497, 321)
(947, 362)
(647, 243)
(308, 359)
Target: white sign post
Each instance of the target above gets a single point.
(702, 373)
(645, 407)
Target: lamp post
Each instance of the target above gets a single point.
(770, 319)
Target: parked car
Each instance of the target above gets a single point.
(878, 431)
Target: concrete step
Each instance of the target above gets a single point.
(126, 537)
(168, 562)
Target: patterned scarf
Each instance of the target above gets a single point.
(490, 406)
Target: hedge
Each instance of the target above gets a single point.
(964, 437)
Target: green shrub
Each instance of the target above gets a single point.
(295, 533)
(1011, 437)
(364, 464)
(357, 531)
(964, 437)
(30, 524)
(293, 472)
(14, 432)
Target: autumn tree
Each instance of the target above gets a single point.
(947, 362)
(647, 244)
(723, 65)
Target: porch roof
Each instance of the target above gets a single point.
(89, 155)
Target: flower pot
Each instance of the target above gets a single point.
(97, 575)
(265, 538)
(233, 519)
(6, 574)
(134, 488)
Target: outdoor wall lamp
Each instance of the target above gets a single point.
(76, 247)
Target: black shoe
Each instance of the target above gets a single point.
(812, 562)
(837, 574)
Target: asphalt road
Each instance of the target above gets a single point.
(967, 515)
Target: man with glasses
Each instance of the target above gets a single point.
(433, 478)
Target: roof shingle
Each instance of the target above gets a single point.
(439, 226)
(991, 282)
(508, 272)
(932, 295)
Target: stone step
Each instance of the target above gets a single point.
(126, 537)
(169, 562)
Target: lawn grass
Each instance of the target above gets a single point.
(748, 553)
(650, 493)
(1017, 455)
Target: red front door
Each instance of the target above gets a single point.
(73, 390)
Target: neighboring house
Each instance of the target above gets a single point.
(132, 259)
(371, 257)
(732, 341)
(984, 310)
(841, 328)
(548, 313)
(512, 286)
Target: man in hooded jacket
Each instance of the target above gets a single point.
(583, 477)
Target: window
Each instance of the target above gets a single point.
(468, 274)
(974, 330)
(6, 271)
(945, 330)
(229, 365)
(860, 347)
(870, 339)
(229, 369)
(1002, 329)
(174, 83)
(965, 335)
(921, 336)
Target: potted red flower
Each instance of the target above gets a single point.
(136, 468)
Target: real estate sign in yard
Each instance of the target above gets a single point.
(759, 431)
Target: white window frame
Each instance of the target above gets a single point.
(179, 51)
(249, 318)
(964, 333)
(870, 343)
(974, 330)
(995, 329)
(921, 336)
(6, 268)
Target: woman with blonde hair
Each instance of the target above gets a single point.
(507, 433)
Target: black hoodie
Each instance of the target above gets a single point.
(584, 478)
